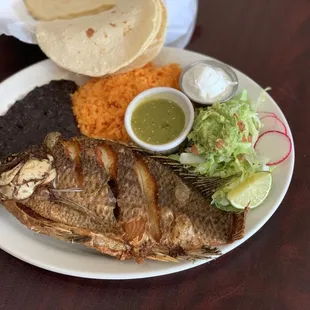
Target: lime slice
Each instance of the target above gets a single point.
(252, 192)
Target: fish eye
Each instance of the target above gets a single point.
(9, 159)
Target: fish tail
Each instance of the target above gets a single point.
(238, 227)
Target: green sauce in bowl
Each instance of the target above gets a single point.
(158, 121)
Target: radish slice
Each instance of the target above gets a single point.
(270, 122)
(265, 113)
(274, 145)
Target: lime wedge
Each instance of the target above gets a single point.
(252, 192)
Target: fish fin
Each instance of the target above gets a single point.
(66, 235)
(35, 222)
(75, 206)
(42, 225)
(207, 186)
(204, 252)
(238, 228)
(163, 258)
(178, 254)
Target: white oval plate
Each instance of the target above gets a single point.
(57, 256)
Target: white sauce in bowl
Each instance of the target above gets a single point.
(207, 83)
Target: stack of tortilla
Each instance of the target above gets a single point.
(66, 9)
(116, 40)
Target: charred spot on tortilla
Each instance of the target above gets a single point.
(113, 25)
(44, 109)
(127, 29)
(90, 32)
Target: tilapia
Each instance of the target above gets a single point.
(117, 199)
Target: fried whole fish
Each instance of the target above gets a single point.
(116, 199)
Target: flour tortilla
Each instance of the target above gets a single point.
(66, 9)
(104, 43)
(155, 47)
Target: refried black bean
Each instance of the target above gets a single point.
(45, 109)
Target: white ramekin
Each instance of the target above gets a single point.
(162, 93)
(217, 65)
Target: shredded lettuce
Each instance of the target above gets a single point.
(224, 135)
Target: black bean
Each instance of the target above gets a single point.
(45, 109)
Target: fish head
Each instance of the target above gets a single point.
(22, 173)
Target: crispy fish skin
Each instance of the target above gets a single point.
(117, 199)
(103, 243)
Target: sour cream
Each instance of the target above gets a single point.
(209, 82)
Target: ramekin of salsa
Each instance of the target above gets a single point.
(159, 119)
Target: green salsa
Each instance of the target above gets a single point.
(158, 121)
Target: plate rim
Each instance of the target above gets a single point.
(176, 268)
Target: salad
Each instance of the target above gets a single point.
(233, 139)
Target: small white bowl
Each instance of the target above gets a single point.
(217, 65)
(162, 93)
